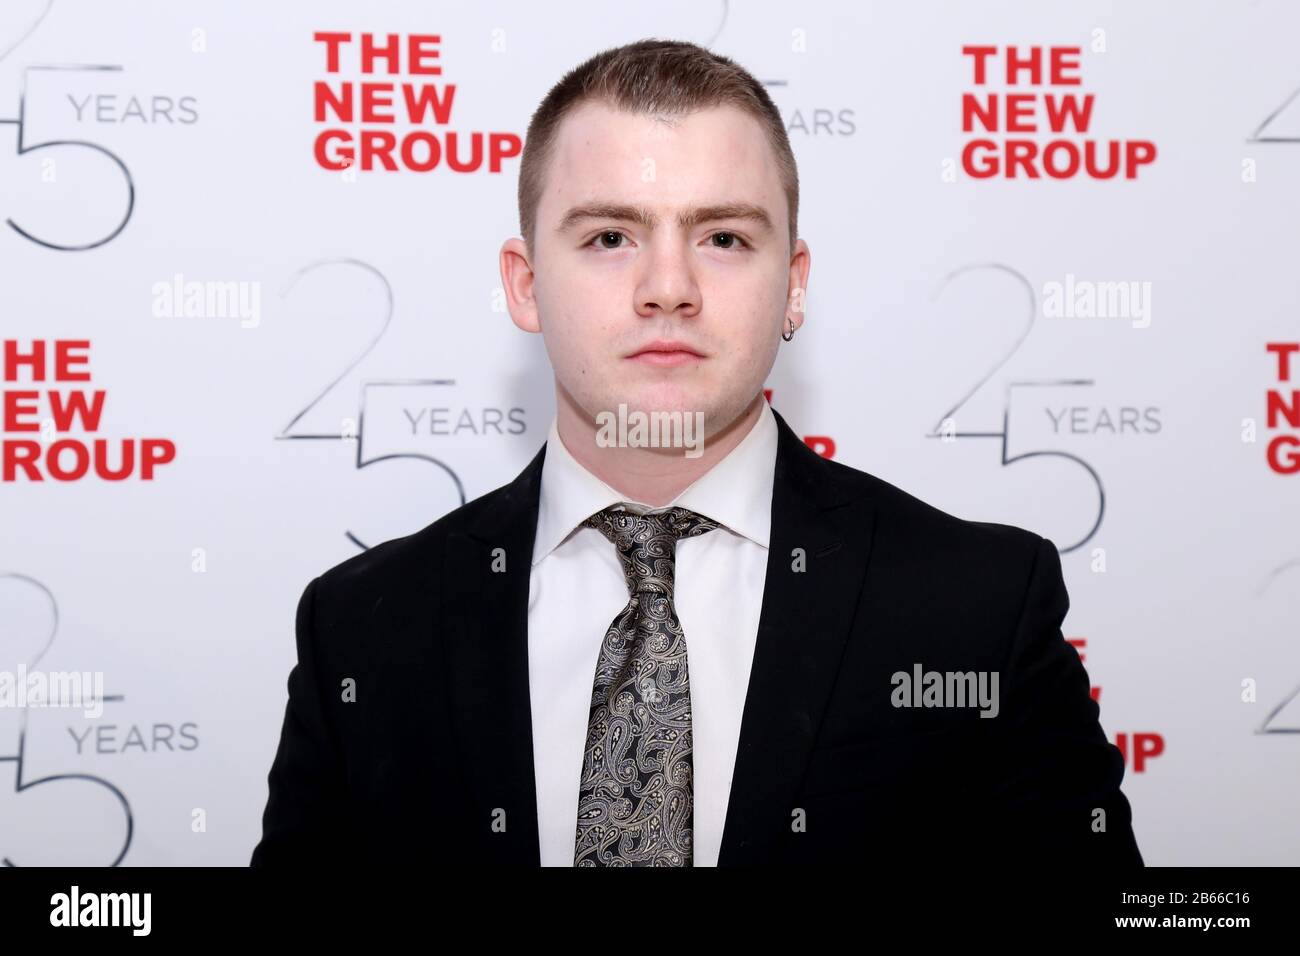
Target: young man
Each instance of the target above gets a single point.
(700, 652)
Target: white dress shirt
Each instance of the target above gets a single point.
(577, 587)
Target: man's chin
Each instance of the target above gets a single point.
(654, 405)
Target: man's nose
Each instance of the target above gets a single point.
(667, 282)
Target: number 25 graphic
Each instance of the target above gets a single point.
(24, 148)
(945, 427)
(289, 432)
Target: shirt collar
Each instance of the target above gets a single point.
(736, 492)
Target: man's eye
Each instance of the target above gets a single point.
(733, 241)
(612, 235)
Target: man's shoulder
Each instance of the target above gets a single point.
(933, 539)
(934, 570)
(407, 564)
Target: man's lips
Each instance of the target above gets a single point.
(664, 353)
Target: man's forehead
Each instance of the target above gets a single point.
(597, 122)
(656, 159)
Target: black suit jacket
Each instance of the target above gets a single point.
(433, 759)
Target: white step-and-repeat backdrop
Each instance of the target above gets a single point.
(252, 322)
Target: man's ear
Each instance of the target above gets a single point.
(517, 280)
(797, 296)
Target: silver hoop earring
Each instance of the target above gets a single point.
(788, 335)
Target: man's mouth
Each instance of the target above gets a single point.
(664, 352)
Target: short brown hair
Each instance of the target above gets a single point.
(651, 76)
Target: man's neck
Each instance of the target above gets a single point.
(654, 476)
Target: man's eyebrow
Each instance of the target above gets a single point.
(687, 219)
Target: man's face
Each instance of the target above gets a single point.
(650, 230)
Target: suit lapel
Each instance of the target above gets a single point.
(803, 625)
(484, 622)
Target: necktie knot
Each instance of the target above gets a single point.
(647, 543)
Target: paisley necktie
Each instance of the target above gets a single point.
(636, 798)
